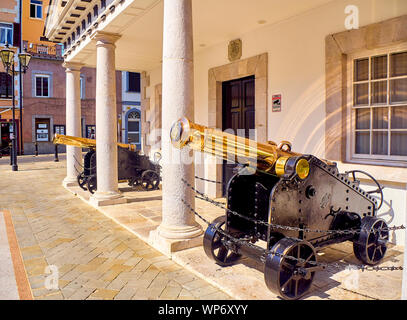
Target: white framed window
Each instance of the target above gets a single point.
(36, 9)
(133, 127)
(82, 85)
(42, 85)
(377, 106)
(6, 33)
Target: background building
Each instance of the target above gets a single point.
(131, 115)
(44, 85)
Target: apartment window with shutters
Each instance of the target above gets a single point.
(378, 99)
(42, 85)
(36, 9)
(6, 33)
(5, 86)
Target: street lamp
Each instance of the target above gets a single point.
(7, 57)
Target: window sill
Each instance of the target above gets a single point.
(384, 174)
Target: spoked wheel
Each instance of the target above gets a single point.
(214, 247)
(288, 277)
(92, 184)
(370, 247)
(150, 180)
(82, 180)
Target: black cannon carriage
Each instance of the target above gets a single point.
(134, 167)
(297, 204)
(137, 169)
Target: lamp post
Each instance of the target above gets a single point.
(7, 57)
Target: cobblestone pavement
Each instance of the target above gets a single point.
(95, 257)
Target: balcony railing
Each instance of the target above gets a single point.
(46, 51)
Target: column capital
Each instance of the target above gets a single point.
(72, 66)
(103, 38)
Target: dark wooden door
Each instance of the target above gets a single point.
(237, 113)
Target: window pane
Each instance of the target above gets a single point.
(362, 143)
(379, 67)
(399, 143)
(38, 86)
(134, 126)
(380, 118)
(10, 36)
(2, 35)
(398, 90)
(39, 12)
(361, 94)
(363, 119)
(32, 11)
(398, 63)
(399, 117)
(361, 69)
(379, 92)
(133, 137)
(45, 86)
(380, 143)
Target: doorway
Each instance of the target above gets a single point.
(238, 114)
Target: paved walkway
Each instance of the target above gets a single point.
(61, 237)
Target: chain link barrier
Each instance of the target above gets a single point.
(264, 252)
(281, 227)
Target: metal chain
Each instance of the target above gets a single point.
(281, 227)
(8, 147)
(264, 252)
(208, 180)
(82, 166)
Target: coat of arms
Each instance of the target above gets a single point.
(235, 49)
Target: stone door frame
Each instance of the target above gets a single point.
(256, 66)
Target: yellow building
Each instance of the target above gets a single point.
(33, 21)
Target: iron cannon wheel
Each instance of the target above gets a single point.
(287, 277)
(82, 180)
(214, 247)
(92, 184)
(370, 247)
(150, 180)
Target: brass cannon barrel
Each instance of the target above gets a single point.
(84, 142)
(268, 158)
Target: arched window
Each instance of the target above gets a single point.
(133, 127)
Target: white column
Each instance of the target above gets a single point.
(178, 222)
(73, 121)
(106, 120)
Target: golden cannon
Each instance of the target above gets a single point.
(137, 169)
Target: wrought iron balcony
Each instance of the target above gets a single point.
(46, 51)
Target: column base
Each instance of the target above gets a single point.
(70, 182)
(99, 199)
(180, 238)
